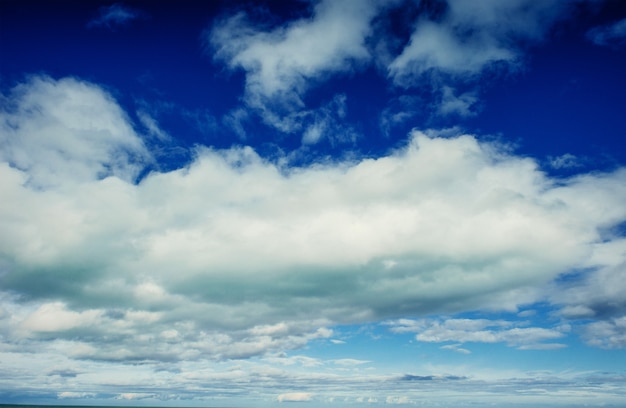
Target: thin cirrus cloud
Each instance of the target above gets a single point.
(612, 35)
(114, 16)
(444, 224)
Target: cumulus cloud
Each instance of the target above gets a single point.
(115, 15)
(611, 35)
(180, 265)
(68, 130)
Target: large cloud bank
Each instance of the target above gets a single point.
(235, 256)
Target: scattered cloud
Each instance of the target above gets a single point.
(114, 16)
(611, 35)
(479, 331)
(71, 394)
(456, 347)
(467, 39)
(565, 161)
(451, 45)
(462, 105)
(610, 334)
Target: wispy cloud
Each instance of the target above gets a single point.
(280, 63)
(464, 39)
(480, 331)
(114, 16)
(612, 35)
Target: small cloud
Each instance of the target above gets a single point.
(610, 35)
(115, 15)
(566, 161)
(577, 312)
(610, 334)
(295, 397)
(152, 126)
(72, 394)
(462, 105)
(398, 400)
(545, 346)
(350, 362)
(527, 313)
(456, 347)
(134, 396)
(335, 341)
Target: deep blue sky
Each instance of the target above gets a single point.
(566, 95)
(336, 202)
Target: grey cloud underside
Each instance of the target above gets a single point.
(234, 256)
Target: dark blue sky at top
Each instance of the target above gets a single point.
(569, 96)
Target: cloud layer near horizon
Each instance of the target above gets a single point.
(234, 256)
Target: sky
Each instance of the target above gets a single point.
(330, 203)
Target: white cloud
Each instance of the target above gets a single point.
(462, 105)
(71, 394)
(565, 161)
(610, 35)
(455, 347)
(295, 397)
(179, 265)
(53, 317)
(68, 130)
(350, 362)
(396, 400)
(597, 293)
(469, 38)
(610, 334)
(477, 330)
(134, 396)
(282, 63)
(152, 126)
(279, 62)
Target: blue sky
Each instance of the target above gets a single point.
(331, 203)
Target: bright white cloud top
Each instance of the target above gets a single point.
(239, 278)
